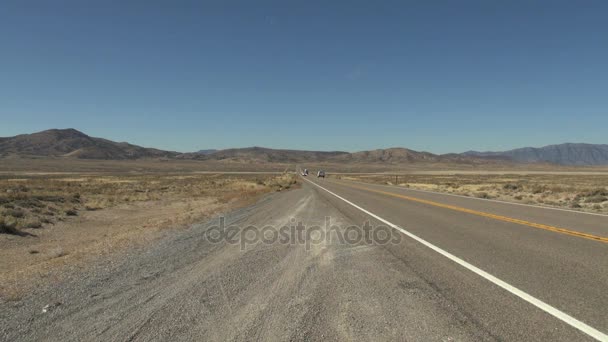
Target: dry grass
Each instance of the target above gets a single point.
(584, 192)
(78, 167)
(35, 201)
(52, 224)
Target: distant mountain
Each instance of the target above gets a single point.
(400, 155)
(564, 154)
(392, 155)
(209, 151)
(74, 144)
(70, 143)
(395, 155)
(269, 155)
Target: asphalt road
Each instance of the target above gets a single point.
(189, 286)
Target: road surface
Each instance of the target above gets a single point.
(455, 269)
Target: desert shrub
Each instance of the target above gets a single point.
(537, 189)
(518, 197)
(557, 188)
(511, 186)
(16, 213)
(596, 199)
(49, 198)
(29, 203)
(482, 195)
(32, 223)
(22, 188)
(595, 192)
(8, 226)
(71, 212)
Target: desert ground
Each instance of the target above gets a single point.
(119, 250)
(52, 221)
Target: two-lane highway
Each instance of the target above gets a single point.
(553, 263)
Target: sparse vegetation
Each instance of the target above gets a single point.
(576, 191)
(8, 227)
(482, 195)
(31, 201)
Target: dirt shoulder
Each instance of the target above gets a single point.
(109, 216)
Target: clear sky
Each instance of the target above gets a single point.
(440, 76)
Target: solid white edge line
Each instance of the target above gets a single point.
(478, 199)
(598, 335)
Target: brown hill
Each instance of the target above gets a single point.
(74, 144)
(394, 155)
(269, 155)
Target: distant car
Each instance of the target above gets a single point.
(321, 174)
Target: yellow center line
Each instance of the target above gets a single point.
(484, 214)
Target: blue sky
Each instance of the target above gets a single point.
(440, 76)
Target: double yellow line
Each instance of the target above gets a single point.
(484, 214)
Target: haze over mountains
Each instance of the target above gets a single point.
(564, 154)
(70, 143)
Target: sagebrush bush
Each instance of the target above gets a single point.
(596, 199)
(16, 213)
(8, 226)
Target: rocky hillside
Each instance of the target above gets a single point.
(564, 154)
(74, 144)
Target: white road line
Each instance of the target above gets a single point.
(479, 199)
(598, 335)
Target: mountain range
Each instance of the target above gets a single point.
(564, 154)
(70, 143)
